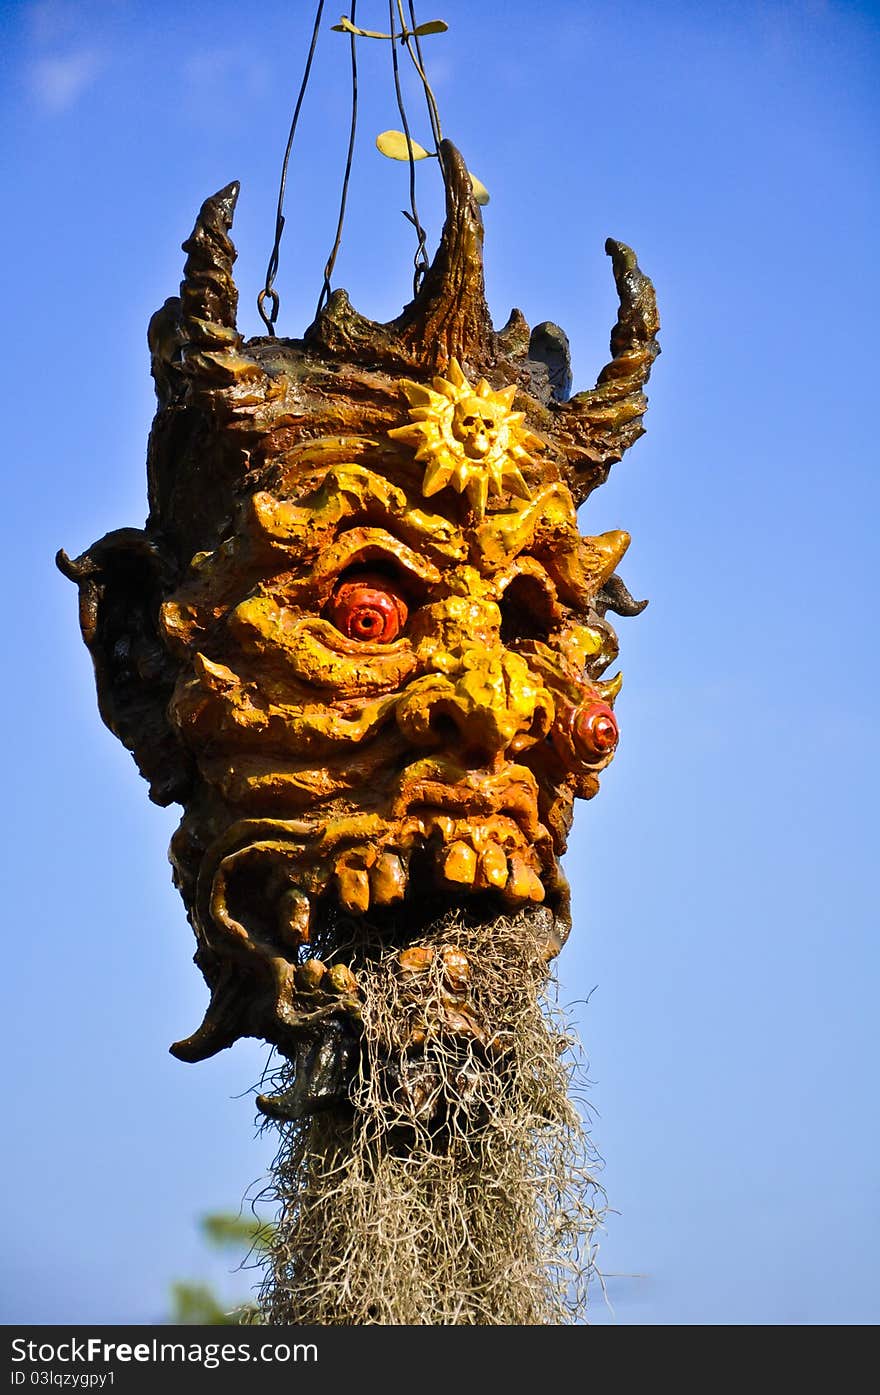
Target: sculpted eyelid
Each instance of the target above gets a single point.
(368, 547)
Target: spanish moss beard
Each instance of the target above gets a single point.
(455, 1184)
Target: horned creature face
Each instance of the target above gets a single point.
(408, 686)
(361, 639)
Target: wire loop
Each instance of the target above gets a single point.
(407, 36)
(331, 260)
(421, 261)
(267, 293)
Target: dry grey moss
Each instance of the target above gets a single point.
(485, 1217)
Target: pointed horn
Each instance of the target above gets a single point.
(633, 338)
(602, 554)
(599, 425)
(222, 1024)
(615, 596)
(199, 360)
(196, 331)
(610, 688)
(449, 317)
(207, 291)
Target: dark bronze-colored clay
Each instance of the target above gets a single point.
(360, 638)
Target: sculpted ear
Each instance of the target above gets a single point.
(123, 579)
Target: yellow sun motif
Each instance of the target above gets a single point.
(468, 436)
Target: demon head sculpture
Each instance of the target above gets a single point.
(361, 639)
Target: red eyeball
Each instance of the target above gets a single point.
(595, 730)
(369, 608)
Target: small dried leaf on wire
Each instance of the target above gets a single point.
(345, 26)
(394, 144)
(433, 26)
(481, 193)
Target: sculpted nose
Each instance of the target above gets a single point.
(490, 704)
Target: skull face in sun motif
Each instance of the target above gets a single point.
(361, 639)
(475, 424)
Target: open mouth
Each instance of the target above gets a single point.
(461, 831)
(469, 838)
(266, 885)
(480, 826)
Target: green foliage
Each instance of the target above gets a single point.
(223, 1230)
(196, 1303)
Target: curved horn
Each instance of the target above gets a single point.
(449, 317)
(192, 329)
(207, 291)
(597, 426)
(615, 596)
(601, 555)
(122, 580)
(199, 363)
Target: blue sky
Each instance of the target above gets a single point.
(725, 878)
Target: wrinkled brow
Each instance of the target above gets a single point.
(351, 494)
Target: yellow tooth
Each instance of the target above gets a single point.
(387, 879)
(295, 917)
(217, 677)
(494, 866)
(444, 824)
(603, 553)
(416, 959)
(460, 864)
(478, 836)
(354, 888)
(536, 886)
(520, 881)
(340, 979)
(456, 969)
(308, 975)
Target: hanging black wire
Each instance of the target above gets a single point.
(331, 260)
(421, 261)
(419, 65)
(268, 292)
(409, 38)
